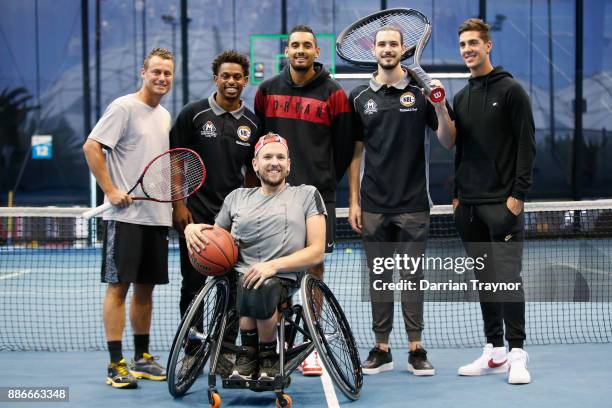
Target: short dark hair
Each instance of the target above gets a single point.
(302, 28)
(476, 24)
(390, 28)
(231, 56)
(157, 52)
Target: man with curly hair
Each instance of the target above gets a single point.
(223, 131)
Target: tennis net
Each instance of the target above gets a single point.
(51, 295)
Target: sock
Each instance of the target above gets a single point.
(114, 349)
(249, 337)
(141, 345)
(263, 347)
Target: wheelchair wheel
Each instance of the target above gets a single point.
(332, 336)
(193, 342)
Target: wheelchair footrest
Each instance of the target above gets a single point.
(256, 385)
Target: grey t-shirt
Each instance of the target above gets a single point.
(134, 134)
(268, 227)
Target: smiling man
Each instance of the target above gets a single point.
(311, 110)
(493, 174)
(270, 251)
(133, 130)
(391, 204)
(223, 131)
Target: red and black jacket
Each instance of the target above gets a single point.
(315, 118)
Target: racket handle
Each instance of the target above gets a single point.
(435, 94)
(98, 210)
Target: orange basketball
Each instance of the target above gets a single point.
(219, 256)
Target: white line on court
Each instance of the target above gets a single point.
(328, 389)
(14, 275)
(328, 386)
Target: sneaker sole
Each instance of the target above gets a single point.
(113, 384)
(424, 373)
(312, 372)
(484, 371)
(380, 369)
(148, 376)
(519, 382)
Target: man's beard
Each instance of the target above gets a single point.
(388, 65)
(273, 183)
(301, 68)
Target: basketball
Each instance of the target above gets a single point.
(219, 256)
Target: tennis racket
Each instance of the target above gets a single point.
(173, 175)
(355, 43)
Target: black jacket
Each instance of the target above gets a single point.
(315, 119)
(495, 139)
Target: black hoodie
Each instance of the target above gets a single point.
(315, 118)
(495, 139)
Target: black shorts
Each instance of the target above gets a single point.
(330, 226)
(134, 253)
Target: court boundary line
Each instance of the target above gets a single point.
(328, 390)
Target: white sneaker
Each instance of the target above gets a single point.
(492, 361)
(311, 367)
(518, 358)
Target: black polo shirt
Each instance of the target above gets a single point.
(225, 141)
(391, 120)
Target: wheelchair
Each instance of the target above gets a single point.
(319, 320)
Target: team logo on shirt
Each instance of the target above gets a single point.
(407, 99)
(209, 130)
(370, 107)
(244, 133)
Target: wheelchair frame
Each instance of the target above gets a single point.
(294, 319)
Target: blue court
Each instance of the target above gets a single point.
(563, 376)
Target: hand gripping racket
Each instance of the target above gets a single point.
(171, 176)
(356, 43)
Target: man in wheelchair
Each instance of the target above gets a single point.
(280, 230)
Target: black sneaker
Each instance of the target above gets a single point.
(226, 363)
(269, 364)
(119, 376)
(377, 362)
(418, 363)
(246, 364)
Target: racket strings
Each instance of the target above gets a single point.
(358, 43)
(173, 176)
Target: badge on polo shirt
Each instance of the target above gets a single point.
(244, 133)
(408, 100)
(209, 130)
(370, 107)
